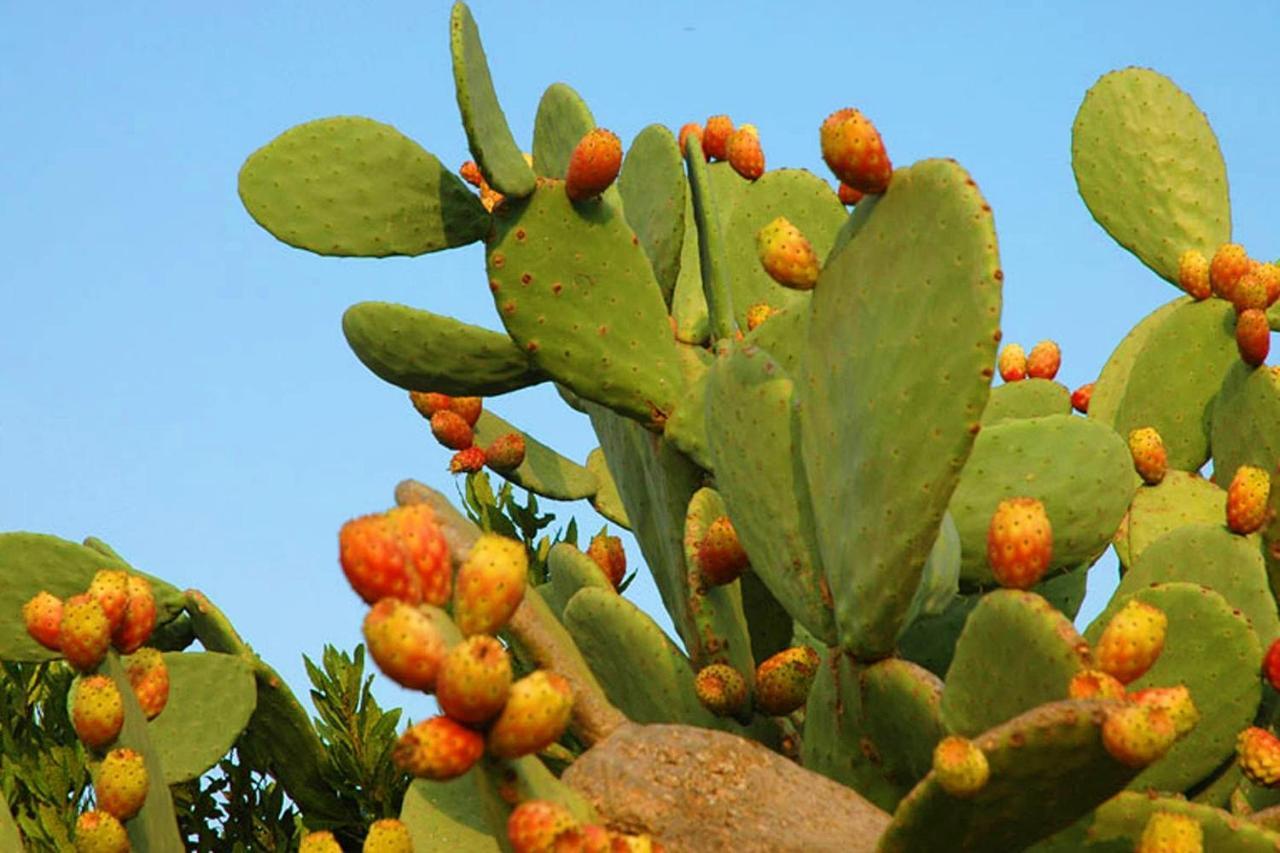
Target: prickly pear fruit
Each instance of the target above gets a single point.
(490, 584)
(589, 838)
(715, 137)
(121, 784)
(1132, 641)
(452, 430)
(1271, 664)
(425, 551)
(1193, 274)
(1174, 701)
(139, 617)
(1012, 363)
(691, 129)
(97, 710)
(1094, 684)
(319, 842)
(721, 689)
(960, 766)
(467, 408)
(757, 314)
(1258, 752)
(1136, 735)
(534, 825)
(405, 643)
(470, 173)
(1229, 262)
(99, 832)
(1253, 336)
(388, 836)
(853, 149)
(429, 402)
(848, 195)
(1167, 832)
(1019, 542)
(398, 554)
(1044, 360)
(150, 680)
(721, 558)
(787, 255)
(1250, 292)
(536, 714)
(84, 634)
(783, 681)
(744, 152)
(623, 843)
(111, 588)
(1080, 398)
(1150, 459)
(474, 680)
(609, 555)
(43, 618)
(467, 461)
(593, 165)
(505, 453)
(1247, 500)
(438, 748)
(1270, 277)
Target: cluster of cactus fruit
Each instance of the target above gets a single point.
(872, 559)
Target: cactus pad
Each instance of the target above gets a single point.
(211, 697)
(1180, 499)
(652, 185)
(563, 119)
(543, 471)
(1030, 398)
(1126, 816)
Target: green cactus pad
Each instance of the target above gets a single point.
(1246, 422)
(893, 395)
(1029, 398)
(717, 610)
(10, 837)
(1179, 500)
(772, 628)
(1149, 168)
(1109, 389)
(563, 119)
(754, 442)
(211, 697)
(653, 189)
(712, 259)
(570, 571)
(352, 186)
(575, 291)
(1038, 651)
(1211, 650)
(940, 581)
(448, 815)
(1126, 816)
(785, 336)
(488, 135)
(1080, 469)
(31, 562)
(543, 471)
(687, 426)
(1049, 768)
(689, 302)
(420, 351)
(606, 500)
(901, 705)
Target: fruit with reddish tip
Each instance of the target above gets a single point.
(715, 137)
(149, 677)
(535, 716)
(783, 681)
(426, 554)
(757, 314)
(398, 554)
(1258, 752)
(323, 841)
(1247, 500)
(429, 402)
(1253, 336)
(1044, 360)
(1229, 263)
(405, 642)
(1269, 274)
(721, 557)
(97, 710)
(589, 838)
(1174, 701)
(744, 152)
(593, 165)
(111, 588)
(388, 836)
(139, 617)
(84, 635)
(1019, 542)
(467, 461)
(506, 452)
(470, 173)
(1080, 398)
(99, 832)
(1094, 684)
(1193, 274)
(490, 584)
(474, 680)
(787, 255)
(1012, 363)
(121, 784)
(1136, 735)
(43, 617)
(692, 129)
(1250, 292)
(848, 195)
(609, 555)
(853, 149)
(960, 766)
(1150, 459)
(1271, 664)
(534, 825)
(438, 748)
(452, 430)
(1168, 832)
(721, 689)
(467, 408)
(1132, 641)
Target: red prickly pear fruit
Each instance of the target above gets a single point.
(1150, 459)
(388, 836)
(506, 452)
(787, 255)
(1258, 752)
(848, 195)
(121, 784)
(1229, 263)
(398, 554)
(97, 710)
(111, 588)
(43, 618)
(429, 402)
(1193, 274)
(691, 129)
(490, 585)
(1253, 336)
(744, 152)
(438, 748)
(1167, 832)
(609, 555)
(1094, 684)
(757, 314)
(467, 408)
(99, 832)
(590, 838)
(452, 430)
(853, 149)
(474, 680)
(1080, 398)
(425, 551)
(1019, 542)
(960, 766)
(534, 826)
(1044, 360)
(1136, 735)
(593, 165)
(405, 643)
(1174, 701)
(149, 677)
(1247, 500)
(715, 137)
(1250, 292)
(84, 634)
(721, 689)
(1132, 641)
(783, 681)
(1270, 276)
(467, 461)
(1012, 363)
(470, 173)
(1271, 664)
(139, 617)
(721, 558)
(323, 841)
(535, 716)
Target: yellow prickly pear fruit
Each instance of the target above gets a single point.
(490, 584)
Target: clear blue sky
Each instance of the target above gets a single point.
(175, 381)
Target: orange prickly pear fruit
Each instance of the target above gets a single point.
(139, 617)
(960, 766)
(111, 588)
(1229, 263)
(853, 149)
(1193, 274)
(121, 784)
(1080, 398)
(691, 129)
(1247, 500)
(388, 836)
(624, 843)
(1271, 664)
(468, 408)
(429, 402)
(1019, 542)
(452, 430)
(1012, 363)
(506, 452)
(590, 838)
(783, 681)
(1094, 684)
(535, 716)
(1174, 701)
(1150, 459)
(745, 154)
(43, 616)
(848, 195)
(99, 832)
(721, 558)
(609, 555)
(534, 826)
(1167, 832)
(593, 165)
(1044, 360)
(149, 677)
(757, 314)
(319, 842)
(470, 173)
(425, 551)
(721, 689)
(1269, 274)
(467, 461)
(1136, 735)
(490, 584)
(715, 137)
(787, 255)
(1250, 292)
(474, 680)
(1258, 752)
(398, 554)
(405, 643)
(97, 710)
(1253, 336)
(1132, 641)
(438, 748)
(84, 634)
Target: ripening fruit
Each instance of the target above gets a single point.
(139, 617)
(535, 716)
(1094, 684)
(97, 710)
(319, 842)
(1253, 336)
(506, 452)
(848, 195)
(398, 554)
(490, 584)
(1150, 459)
(429, 402)
(1168, 832)
(1132, 641)
(1012, 363)
(388, 836)
(853, 149)
(1174, 701)
(715, 137)
(1258, 752)
(745, 154)
(43, 618)
(149, 677)
(452, 430)
(757, 314)
(474, 680)
(721, 689)
(99, 832)
(534, 825)
(84, 633)
(467, 461)
(1019, 542)
(1044, 360)
(1271, 664)
(593, 165)
(1247, 500)
(1229, 263)
(405, 643)
(438, 748)
(960, 766)
(1250, 292)
(691, 129)
(111, 588)
(787, 255)
(721, 557)
(1080, 398)
(607, 553)
(1193, 274)
(1136, 735)
(121, 784)
(783, 681)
